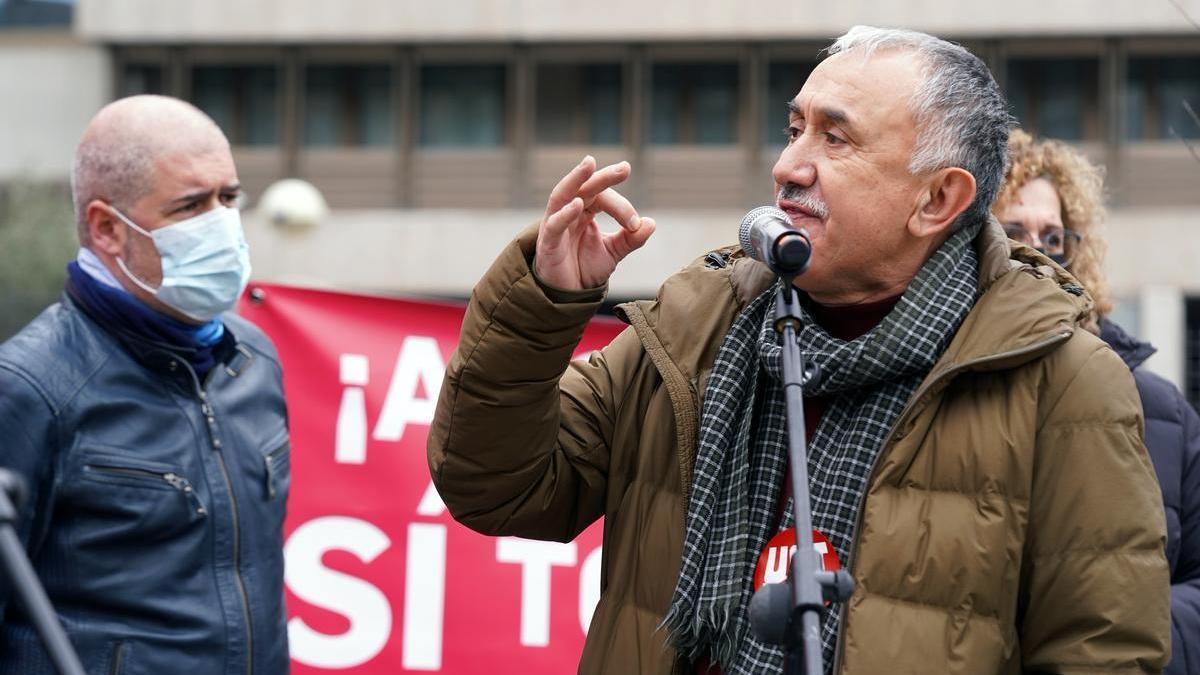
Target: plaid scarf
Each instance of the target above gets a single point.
(741, 458)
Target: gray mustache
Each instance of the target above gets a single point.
(805, 198)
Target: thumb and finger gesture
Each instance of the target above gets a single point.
(572, 252)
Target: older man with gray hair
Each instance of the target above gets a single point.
(975, 457)
(149, 424)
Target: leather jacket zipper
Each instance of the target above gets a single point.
(118, 658)
(173, 479)
(953, 371)
(214, 438)
(210, 418)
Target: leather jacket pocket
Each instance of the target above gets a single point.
(278, 463)
(101, 469)
(124, 494)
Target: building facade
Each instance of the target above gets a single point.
(435, 131)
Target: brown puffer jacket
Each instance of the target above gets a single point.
(1012, 523)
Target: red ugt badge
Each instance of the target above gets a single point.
(776, 558)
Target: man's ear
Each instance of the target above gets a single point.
(107, 232)
(949, 193)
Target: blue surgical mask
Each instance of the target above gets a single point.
(205, 263)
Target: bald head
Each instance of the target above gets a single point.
(126, 141)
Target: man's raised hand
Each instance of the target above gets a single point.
(572, 252)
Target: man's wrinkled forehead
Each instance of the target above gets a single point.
(869, 92)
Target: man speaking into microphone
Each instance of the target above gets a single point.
(975, 458)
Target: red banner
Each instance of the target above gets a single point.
(380, 579)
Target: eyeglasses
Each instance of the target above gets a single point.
(1058, 242)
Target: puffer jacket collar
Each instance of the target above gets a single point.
(750, 278)
(998, 326)
(1132, 351)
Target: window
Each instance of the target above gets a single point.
(1056, 98)
(693, 104)
(462, 106)
(1191, 375)
(241, 99)
(1156, 89)
(348, 105)
(578, 104)
(141, 79)
(784, 81)
(39, 13)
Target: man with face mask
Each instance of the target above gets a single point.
(149, 424)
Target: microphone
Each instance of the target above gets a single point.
(771, 612)
(767, 236)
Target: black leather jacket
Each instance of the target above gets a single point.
(157, 501)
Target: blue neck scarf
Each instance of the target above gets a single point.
(138, 327)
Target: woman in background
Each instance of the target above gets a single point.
(1052, 201)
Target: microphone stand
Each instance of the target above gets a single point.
(798, 604)
(15, 565)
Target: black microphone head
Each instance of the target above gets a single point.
(792, 254)
(762, 213)
(770, 610)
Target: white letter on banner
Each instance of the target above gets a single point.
(350, 444)
(420, 360)
(424, 596)
(364, 605)
(431, 504)
(589, 587)
(535, 558)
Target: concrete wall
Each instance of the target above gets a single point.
(1162, 321)
(1154, 247)
(440, 252)
(52, 84)
(443, 251)
(134, 21)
